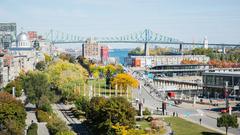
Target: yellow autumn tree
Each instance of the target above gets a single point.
(48, 58)
(68, 77)
(124, 80)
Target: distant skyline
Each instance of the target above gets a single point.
(186, 20)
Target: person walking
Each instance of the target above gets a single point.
(200, 121)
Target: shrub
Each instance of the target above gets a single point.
(157, 124)
(65, 133)
(56, 125)
(146, 112)
(32, 130)
(82, 103)
(44, 104)
(78, 113)
(46, 107)
(42, 116)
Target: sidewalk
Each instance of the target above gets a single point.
(31, 117)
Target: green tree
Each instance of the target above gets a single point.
(36, 44)
(69, 78)
(82, 103)
(36, 84)
(41, 65)
(227, 120)
(136, 51)
(105, 113)
(17, 83)
(12, 115)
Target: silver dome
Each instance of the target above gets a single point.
(22, 37)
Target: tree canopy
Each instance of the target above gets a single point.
(104, 113)
(124, 80)
(36, 84)
(67, 77)
(12, 115)
(41, 65)
(17, 83)
(227, 121)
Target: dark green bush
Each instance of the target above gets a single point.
(56, 125)
(78, 113)
(46, 107)
(42, 116)
(32, 130)
(65, 133)
(82, 103)
(44, 104)
(146, 112)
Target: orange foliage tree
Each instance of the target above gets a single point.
(223, 64)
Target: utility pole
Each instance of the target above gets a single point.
(13, 91)
(116, 90)
(226, 94)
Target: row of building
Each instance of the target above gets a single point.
(151, 61)
(96, 52)
(19, 53)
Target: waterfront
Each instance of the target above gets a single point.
(119, 54)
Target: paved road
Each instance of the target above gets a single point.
(65, 114)
(31, 116)
(152, 102)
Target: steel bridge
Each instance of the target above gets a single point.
(145, 37)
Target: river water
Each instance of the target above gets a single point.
(119, 54)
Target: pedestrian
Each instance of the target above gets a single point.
(200, 121)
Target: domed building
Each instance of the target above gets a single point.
(23, 41)
(24, 53)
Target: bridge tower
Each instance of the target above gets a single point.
(146, 49)
(146, 39)
(205, 42)
(181, 49)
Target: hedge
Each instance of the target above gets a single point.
(32, 130)
(42, 116)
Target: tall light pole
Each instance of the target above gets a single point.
(226, 94)
(116, 90)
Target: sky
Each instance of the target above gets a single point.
(186, 20)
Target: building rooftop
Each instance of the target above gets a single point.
(226, 73)
(172, 65)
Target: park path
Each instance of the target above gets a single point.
(65, 114)
(31, 117)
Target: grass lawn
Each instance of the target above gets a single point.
(183, 127)
(144, 124)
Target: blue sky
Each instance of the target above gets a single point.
(186, 20)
